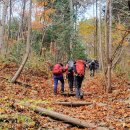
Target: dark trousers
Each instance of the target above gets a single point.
(70, 81)
(92, 72)
(78, 83)
(56, 79)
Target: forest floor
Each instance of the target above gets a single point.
(107, 110)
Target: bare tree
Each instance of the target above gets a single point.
(17, 74)
(2, 24)
(71, 25)
(22, 23)
(108, 44)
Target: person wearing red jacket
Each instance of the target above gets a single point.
(79, 72)
(58, 71)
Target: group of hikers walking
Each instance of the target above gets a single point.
(75, 72)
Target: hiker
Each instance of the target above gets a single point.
(79, 72)
(58, 71)
(92, 68)
(70, 74)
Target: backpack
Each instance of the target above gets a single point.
(93, 64)
(70, 66)
(57, 69)
(96, 64)
(80, 67)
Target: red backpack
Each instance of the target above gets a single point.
(57, 69)
(80, 67)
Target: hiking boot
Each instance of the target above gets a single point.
(55, 93)
(71, 90)
(81, 96)
(61, 92)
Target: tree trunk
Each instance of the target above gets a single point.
(100, 38)
(9, 27)
(42, 42)
(109, 87)
(101, 57)
(62, 117)
(71, 26)
(21, 24)
(17, 74)
(108, 44)
(2, 26)
(96, 41)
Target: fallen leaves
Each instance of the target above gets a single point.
(111, 110)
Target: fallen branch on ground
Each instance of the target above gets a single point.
(68, 94)
(6, 118)
(17, 82)
(23, 84)
(73, 94)
(62, 117)
(73, 104)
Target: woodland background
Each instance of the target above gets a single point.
(36, 34)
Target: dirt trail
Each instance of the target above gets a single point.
(108, 110)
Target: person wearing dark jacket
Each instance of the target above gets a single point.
(70, 74)
(92, 68)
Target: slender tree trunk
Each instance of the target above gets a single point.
(21, 24)
(9, 30)
(2, 26)
(101, 57)
(76, 13)
(96, 41)
(42, 42)
(9, 27)
(108, 45)
(17, 74)
(44, 32)
(71, 26)
(0, 11)
(100, 37)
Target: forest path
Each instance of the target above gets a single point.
(108, 110)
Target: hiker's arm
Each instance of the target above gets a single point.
(66, 68)
(75, 72)
(87, 65)
(63, 69)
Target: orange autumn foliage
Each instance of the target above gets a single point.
(42, 13)
(43, 3)
(36, 25)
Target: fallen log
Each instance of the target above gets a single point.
(68, 94)
(17, 82)
(66, 119)
(23, 84)
(73, 94)
(7, 118)
(62, 117)
(73, 104)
